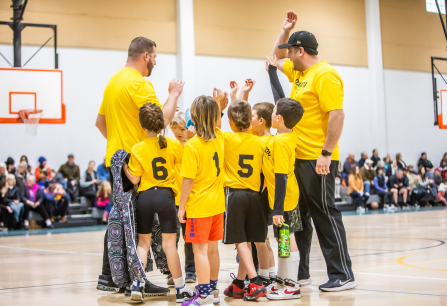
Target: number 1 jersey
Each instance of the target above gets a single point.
(243, 160)
(203, 161)
(156, 166)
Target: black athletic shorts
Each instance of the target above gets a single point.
(244, 217)
(157, 200)
(268, 218)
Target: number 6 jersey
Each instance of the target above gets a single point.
(243, 160)
(203, 161)
(156, 166)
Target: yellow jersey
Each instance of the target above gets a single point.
(265, 139)
(125, 93)
(319, 89)
(279, 157)
(243, 160)
(156, 166)
(178, 180)
(203, 161)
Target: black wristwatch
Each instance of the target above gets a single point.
(326, 153)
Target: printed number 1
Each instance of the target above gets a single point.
(216, 160)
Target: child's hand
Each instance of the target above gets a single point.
(182, 215)
(249, 83)
(233, 92)
(224, 102)
(278, 219)
(191, 132)
(218, 94)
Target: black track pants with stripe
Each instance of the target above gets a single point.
(317, 202)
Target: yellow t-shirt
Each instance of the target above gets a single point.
(319, 89)
(265, 139)
(156, 166)
(279, 157)
(243, 160)
(178, 181)
(125, 93)
(203, 161)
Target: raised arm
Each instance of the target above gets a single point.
(287, 27)
(175, 90)
(245, 90)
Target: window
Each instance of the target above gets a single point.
(431, 6)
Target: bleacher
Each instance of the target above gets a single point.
(346, 201)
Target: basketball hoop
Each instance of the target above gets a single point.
(31, 118)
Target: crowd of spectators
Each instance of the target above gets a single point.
(396, 183)
(49, 193)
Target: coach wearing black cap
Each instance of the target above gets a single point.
(319, 88)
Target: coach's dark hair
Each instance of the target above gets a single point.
(264, 110)
(239, 112)
(151, 118)
(140, 45)
(308, 50)
(291, 110)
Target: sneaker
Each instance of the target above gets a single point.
(254, 292)
(150, 290)
(199, 301)
(290, 290)
(190, 277)
(215, 293)
(277, 284)
(105, 283)
(266, 281)
(137, 291)
(305, 282)
(334, 285)
(170, 280)
(233, 290)
(183, 294)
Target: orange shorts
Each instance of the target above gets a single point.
(202, 230)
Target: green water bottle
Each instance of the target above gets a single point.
(283, 241)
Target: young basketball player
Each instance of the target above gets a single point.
(261, 122)
(244, 215)
(278, 168)
(180, 132)
(152, 164)
(202, 197)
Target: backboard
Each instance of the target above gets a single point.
(31, 89)
(442, 116)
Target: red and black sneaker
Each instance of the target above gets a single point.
(236, 288)
(254, 292)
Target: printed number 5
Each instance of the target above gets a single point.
(247, 167)
(216, 161)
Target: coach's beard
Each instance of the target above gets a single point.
(150, 66)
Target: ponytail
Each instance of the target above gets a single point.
(162, 142)
(151, 119)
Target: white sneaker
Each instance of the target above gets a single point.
(277, 284)
(202, 302)
(183, 294)
(305, 282)
(137, 291)
(215, 294)
(290, 290)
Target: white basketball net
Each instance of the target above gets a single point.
(31, 121)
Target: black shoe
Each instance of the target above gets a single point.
(137, 292)
(50, 226)
(150, 290)
(190, 277)
(105, 283)
(334, 285)
(266, 281)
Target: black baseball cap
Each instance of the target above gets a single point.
(301, 39)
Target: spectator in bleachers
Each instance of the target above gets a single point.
(103, 172)
(21, 174)
(34, 202)
(347, 166)
(355, 189)
(56, 201)
(10, 165)
(443, 168)
(5, 210)
(3, 172)
(398, 184)
(387, 163)
(444, 158)
(59, 178)
(364, 156)
(413, 184)
(375, 158)
(72, 175)
(89, 183)
(25, 159)
(428, 166)
(43, 169)
(392, 169)
(381, 187)
(440, 199)
(399, 162)
(103, 199)
(437, 178)
(367, 173)
(13, 200)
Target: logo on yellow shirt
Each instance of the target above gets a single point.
(300, 84)
(267, 152)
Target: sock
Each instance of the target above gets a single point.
(239, 283)
(264, 273)
(256, 280)
(48, 222)
(138, 283)
(204, 290)
(282, 268)
(213, 285)
(292, 265)
(25, 223)
(272, 272)
(178, 282)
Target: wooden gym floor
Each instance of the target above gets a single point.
(398, 259)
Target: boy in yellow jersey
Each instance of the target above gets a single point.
(244, 222)
(202, 197)
(152, 164)
(278, 168)
(182, 134)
